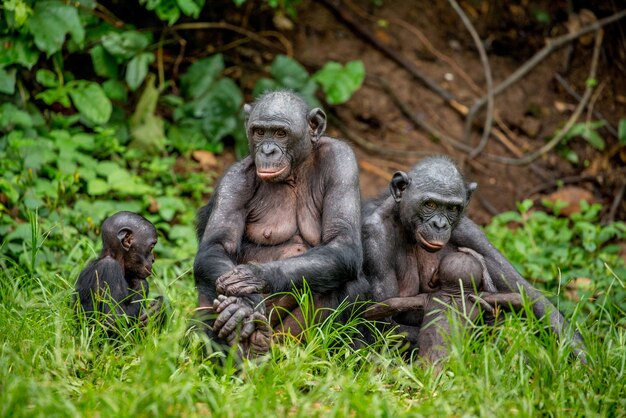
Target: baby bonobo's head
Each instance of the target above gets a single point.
(459, 269)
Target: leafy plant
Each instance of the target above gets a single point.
(573, 256)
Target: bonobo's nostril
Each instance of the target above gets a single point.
(268, 149)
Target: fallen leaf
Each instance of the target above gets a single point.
(571, 196)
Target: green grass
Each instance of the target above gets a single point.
(52, 366)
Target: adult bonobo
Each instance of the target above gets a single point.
(288, 212)
(407, 232)
(115, 283)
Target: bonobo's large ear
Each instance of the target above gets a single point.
(317, 123)
(246, 111)
(470, 187)
(399, 182)
(125, 235)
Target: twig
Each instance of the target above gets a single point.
(488, 79)
(571, 121)
(594, 98)
(370, 146)
(227, 26)
(616, 202)
(551, 45)
(342, 13)
(570, 90)
(423, 39)
(419, 122)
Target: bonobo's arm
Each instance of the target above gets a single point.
(221, 228)
(337, 258)
(505, 301)
(507, 279)
(394, 306)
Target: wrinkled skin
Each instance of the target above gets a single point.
(288, 212)
(115, 283)
(409, 230)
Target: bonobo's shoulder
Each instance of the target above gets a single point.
(329, 145)
(378, 219)
(239, 174)
(337, 154)
(241, 167)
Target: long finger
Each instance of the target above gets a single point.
(232, 323)
(224, 317)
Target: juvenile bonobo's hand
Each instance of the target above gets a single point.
(477, 299)
(242, 280)
(152, 310)
(233, 311)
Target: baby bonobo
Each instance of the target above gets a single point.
(114, 285)
(460, 277)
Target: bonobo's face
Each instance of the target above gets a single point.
(431, 200)
(431, 216)
(138, 259)
(281, 133)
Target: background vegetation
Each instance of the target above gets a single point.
(98, 116)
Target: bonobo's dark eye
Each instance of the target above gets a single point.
(280, 133)
(430, 204)
(259, 131)
(454, 209)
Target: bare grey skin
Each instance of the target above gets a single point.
(115, 284)
(407, 232)
(288, 212)
(464, 289)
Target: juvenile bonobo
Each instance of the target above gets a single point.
(407, 232)
(115, 285)
(461, 281)
(288, 212)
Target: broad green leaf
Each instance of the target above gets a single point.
(138, 69)
(127, 44)
(115, 90)
(51, 22)
(594, 139)
(190, 7)
(97, 186)
(104, 64)
(219, 109)
(46, 78)
(11, 116)
(16, 50)
(621, 131)
(147, 129)
(169, 205)
(340, 82)
(289, 72)
(7, 80)
(201, 75)
(91, 102)
(57, 95)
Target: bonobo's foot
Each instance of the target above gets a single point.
(260, 340)
(242, 280)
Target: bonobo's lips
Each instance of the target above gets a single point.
(431, 246)
(268, 174)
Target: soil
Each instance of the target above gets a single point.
(531, 110)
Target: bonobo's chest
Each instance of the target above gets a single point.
(283, 213)
(415, 268)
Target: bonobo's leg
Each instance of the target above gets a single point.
(507, 279)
